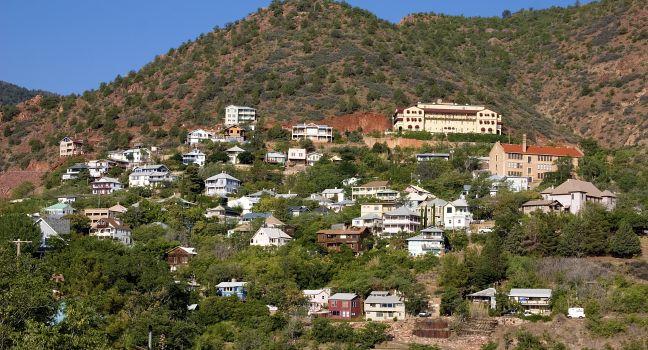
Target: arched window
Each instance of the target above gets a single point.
(483, 129)
(416, 127)
(409, 126)
(490, 130)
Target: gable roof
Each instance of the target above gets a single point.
(188, 250)
(273, 221)
(273, 232)
(543, 150)
(333, 191)
(488, 292)
(459, 203)
(235, 149)
(401, 211)
(112, 222)
(541, 203)
(60, 226)
(573, 185)
(107, 179)
(231, 284)
(59, 206)
(222, 175)
(530, 292)
(118, 208)
(343, 296)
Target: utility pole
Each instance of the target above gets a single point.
(18, 243)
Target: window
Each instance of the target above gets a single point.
(529, 159)
(449, 210)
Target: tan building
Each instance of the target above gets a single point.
(534, 162)
(370, 189)
(447, 118)
(313, 132)
(69, 147)
(96, 214)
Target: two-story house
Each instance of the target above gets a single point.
(233, 154)
(372, 220)
(536, 301)
(430, 241)
(381, 306)
(313, 132)
(317, 299)
(111, 228)
(221, 184)
(334, 194)
(344, 306)
(198, 136)
(270, 237)
(106, 185)
(131, 157)
(179, 256)
(194, 157)
(369, 189)
(96, 214)
(297, 155)
(456, 215)
(574, 194)
(232, 288)
(149, 176)
(431, 212)
(99, 167)
(353, 237)
(379, 208)
(70, 147)
(401, 220)
(73, 172)
(275, 158)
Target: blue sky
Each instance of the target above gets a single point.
(68, 46)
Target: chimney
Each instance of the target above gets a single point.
(439, 101)
(524, 143)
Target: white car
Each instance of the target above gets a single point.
(576, 312)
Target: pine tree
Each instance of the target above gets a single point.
(625, 243)
(192, 184)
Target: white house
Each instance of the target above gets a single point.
(221, 184)
(401, 220)
(98, 168)
(111, 228)
(235, 115)
(317, 299)
(536, 301)
(369, 189)
(297, 155)
(574, 194)
(456, 215)
(513, 183)
(381, 306)
(245, 203)
(426, 157)
(73, 172)
(59, 209)
(429, 241)
(313, 132)
(270, 237)
(372, 220)
(198, 136)
(106, 185)
(334, 194)
(149, 176)
(275, 157)
(313, 157)
(233, 154)
(194, 157)
(133, 156)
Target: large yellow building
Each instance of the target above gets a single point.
(530, 161)
(448, 118)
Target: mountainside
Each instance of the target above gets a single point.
(556, 74)
(11, 94)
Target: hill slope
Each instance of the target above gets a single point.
(11, 94)
(556, 74)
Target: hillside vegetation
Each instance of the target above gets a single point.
(556, 74)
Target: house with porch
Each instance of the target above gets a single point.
(232, 288)
(430, 241)
(194, 157)
(317, 299)
(179, 256)
(270, 237)
(106, 185)
(401, 220)
(112, 228)
(536, 301)
(221, 184)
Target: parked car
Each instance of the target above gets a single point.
(576, 312)
(527, 313)
(424, 314)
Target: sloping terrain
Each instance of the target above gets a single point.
(555, 74)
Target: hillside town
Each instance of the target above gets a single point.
(308, 194)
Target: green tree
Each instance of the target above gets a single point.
(246, 157)
(564, 171)
(192, 184)
(625, 242)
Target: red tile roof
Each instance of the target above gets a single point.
(543, 150)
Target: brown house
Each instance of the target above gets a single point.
(352, 237)
(234, 131)
(179, 256)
